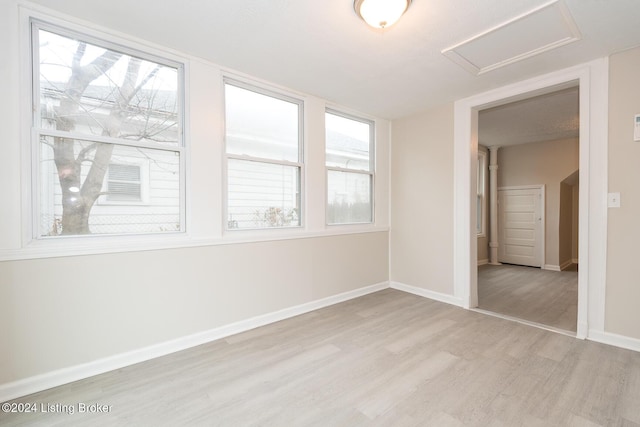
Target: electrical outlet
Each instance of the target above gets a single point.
(614, 200)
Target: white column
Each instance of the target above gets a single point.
(493, 205)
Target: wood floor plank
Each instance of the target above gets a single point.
(386, 359)
(541, 296)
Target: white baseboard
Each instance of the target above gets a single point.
(615, 340)
(483, 261)
(574, 261)
(582, 330)
(551, 267)
(13, 390)
(437, 296)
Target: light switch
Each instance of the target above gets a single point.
(636, 127)
(614, 200)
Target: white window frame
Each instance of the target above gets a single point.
(107, 42)
(481, 228)
(262, 90)
(370, 172)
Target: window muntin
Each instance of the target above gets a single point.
(98, 104)
(350, 170)
(263, 138)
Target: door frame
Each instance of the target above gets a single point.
(593, 80)
(543, 215)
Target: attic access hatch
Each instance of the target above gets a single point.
(534, 32)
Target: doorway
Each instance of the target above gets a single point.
(534, 143)
(593, 83)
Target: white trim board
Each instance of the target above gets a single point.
(593, 80)
(615, 340)
(13, 390)
(436, 296)
(483, 261)
(525, 322)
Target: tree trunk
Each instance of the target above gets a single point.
(79, 198)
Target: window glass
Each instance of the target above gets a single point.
(349, 197)
(98, 91)
(348, 143)
(118, 192)
(263, 167)
(349, 161)
(262, 126)
(108, 136)
(263, 195)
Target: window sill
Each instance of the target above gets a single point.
(77, 246)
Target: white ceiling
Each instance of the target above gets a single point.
(542, 118)
(322, 48)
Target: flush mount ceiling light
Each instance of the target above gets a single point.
(381, 13)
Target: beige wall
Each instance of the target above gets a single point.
(623, 267)
(421, 200)
(547, 163)
(61, 312)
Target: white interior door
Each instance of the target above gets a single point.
(520, 226)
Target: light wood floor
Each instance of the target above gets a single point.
(385, 359)
(540, 296)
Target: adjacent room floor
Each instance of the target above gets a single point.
(385, 359)
(540, 296)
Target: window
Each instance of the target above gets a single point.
(480, 199)
(264, 151)
(349, 161)
(108, 143)
(124, 183)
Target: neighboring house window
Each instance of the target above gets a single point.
(350, 168)
(481, 199)
(264, 157)
(108, 133)
(126, 184)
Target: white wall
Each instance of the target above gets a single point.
(77, 300)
